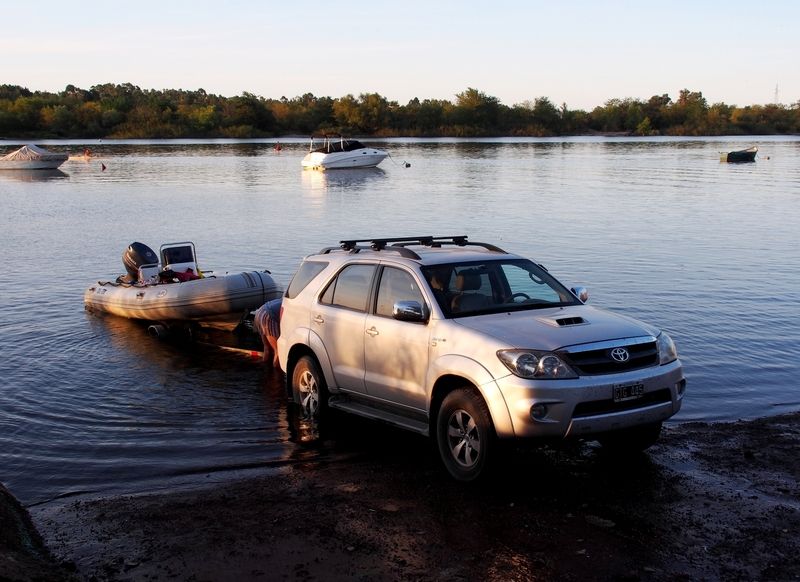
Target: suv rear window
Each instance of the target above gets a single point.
(351, 287)
(305, 274)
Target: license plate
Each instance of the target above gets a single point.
(623, 392)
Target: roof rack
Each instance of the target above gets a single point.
(399, 244)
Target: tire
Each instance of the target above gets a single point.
(465, 435)
(309, 390)
(631, 440)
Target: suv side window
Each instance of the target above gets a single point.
(305, 274)
(350, 288)
(396, 285)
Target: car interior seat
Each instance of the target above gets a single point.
(466, 299)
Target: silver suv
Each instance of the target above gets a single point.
(471, 345)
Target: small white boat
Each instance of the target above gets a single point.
(171, 288)
(337, 153)
(31, 157)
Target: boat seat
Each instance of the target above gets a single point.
(181, 267)
(148, 273)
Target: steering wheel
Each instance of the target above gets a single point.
(525, 297)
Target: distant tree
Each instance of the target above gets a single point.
(347, 114)
(120, 97)
(608, 117)
(198, 120)
(689, 114)
(547, 115)
(657, 111)
(57, 120)
(477, 110)
(718, 119)
(247, 111)
(644, 127)
(375, 112)
(126, 110)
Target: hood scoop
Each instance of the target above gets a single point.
(563, 321)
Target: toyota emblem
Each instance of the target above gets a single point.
(620, 354)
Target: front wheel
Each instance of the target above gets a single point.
(308, 387)
(464, 434)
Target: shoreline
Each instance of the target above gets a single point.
(709, 501)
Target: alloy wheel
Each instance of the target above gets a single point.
(463, 438)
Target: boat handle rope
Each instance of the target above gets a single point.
(404, 164)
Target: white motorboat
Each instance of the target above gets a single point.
(31, 157)
(338, 153)
(171, 288)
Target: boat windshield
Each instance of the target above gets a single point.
(332, 145)
(497, 286)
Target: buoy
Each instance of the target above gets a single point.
(408, 165)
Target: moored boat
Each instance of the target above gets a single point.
(31, 157)
(170, 287)
(748, 155)
(338, 153)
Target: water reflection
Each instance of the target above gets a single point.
(143, 410)
(347, 179)
(656, 228)
(33, 175)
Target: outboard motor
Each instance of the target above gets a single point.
(136, 255)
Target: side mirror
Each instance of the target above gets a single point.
(581, 293)
(409, 311)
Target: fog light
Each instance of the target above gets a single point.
(538, 411)
(681, 386)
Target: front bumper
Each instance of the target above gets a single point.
(585, 406)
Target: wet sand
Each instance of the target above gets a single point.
(708, 502)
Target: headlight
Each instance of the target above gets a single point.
(667, 352)
(535, 364)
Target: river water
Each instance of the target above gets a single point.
(656, 228)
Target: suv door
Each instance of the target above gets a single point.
(396, 352)
(338, 318)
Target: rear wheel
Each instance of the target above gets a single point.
(464, 434)
(308, 387)
(632, 440)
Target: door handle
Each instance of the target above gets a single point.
(372, 331)
(319, 319)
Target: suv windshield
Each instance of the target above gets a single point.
(495, 286)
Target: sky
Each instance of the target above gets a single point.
(581, 53)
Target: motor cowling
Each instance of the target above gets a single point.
(136, 255)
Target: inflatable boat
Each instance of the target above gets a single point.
(169, 287)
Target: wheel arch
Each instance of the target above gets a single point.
(487, 389)
(299, 350)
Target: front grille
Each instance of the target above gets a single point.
(596, 407)
(597, 362)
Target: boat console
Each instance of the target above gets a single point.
(179, 257)
(144, 266)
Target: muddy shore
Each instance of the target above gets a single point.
(709, 502)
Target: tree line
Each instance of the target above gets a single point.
(126, 111)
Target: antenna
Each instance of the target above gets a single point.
(776, 94)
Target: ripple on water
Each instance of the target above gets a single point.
(657, 229)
